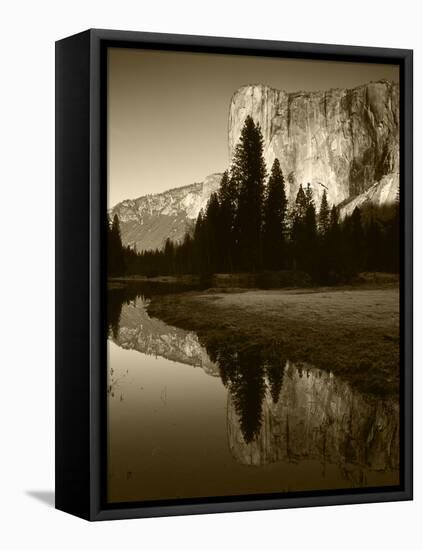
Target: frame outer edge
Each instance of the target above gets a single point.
(96, 311)
(404, 57)
(408, 272)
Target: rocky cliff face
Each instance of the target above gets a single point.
(148, 221)
(320, 417)
(343, 140)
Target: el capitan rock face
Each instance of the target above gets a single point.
(343, 140)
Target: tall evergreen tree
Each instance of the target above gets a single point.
(333, 241)
(275, 370)
(374, 245)
(393, 236)
(274, 220)
(304, 230)
(300, 206)
(169, 256)
(310, 251)
(324, 215)
(199, 248)
(309, 195)
(228, 200)
(357, 241)
(115, 252)
(248, 173)
(211, 223)
(334, 220)
(297, 226)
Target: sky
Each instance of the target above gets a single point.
(168, 111)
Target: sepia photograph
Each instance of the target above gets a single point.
(210, 237)
(253, 275)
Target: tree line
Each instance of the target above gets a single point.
(247, 226)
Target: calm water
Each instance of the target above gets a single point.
(186, 421)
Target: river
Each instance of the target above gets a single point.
(187, 421)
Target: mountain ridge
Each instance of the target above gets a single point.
(146, 222)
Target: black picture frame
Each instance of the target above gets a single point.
(80, 271)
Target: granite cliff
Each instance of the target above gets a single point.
(344, 141)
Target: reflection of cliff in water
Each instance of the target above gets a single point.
(277, 411)
(134, 329)
(318, 416)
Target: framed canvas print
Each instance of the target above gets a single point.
(234, 274)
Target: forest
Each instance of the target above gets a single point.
(247, 226)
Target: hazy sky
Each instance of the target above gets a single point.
(168, 111)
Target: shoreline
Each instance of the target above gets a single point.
(352, 332)
(281, 280)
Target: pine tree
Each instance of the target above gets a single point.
(309, 195)
(374, 245)
(298, 227)
(394, 235)
(169, 256)
(324, 215)
(228, 200)
(211, 222)
(304, 231)
(115, 253)
(275, 370)
(300, 204)
(199, 247)
(274, 220)
(310, 251)
(334, 270)
(334, 220)
(357, 241)
(248, 173)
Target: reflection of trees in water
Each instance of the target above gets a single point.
(275, 369)
(115, 300)
(127, 293)
(244, 370)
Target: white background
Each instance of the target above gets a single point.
(28, 31)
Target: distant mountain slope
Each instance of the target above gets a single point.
(148, 221)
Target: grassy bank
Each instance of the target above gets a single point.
(263, 280)
(165, 279)
(353, 332)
